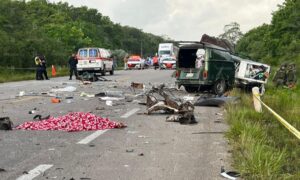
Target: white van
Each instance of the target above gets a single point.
(94, 60)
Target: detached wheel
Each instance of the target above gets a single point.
(219, 87)
(112, 71)
(190, 89)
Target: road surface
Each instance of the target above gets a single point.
(149, 148)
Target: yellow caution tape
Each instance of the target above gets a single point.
(284, 122)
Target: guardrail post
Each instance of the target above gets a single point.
(256, 99)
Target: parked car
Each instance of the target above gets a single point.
(135, 62)
(94, 60)
(168, 62)
(212, 70)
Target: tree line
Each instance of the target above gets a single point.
(278, 41)
(56, 30)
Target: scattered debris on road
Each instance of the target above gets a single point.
(129, 150)
(135, 86)
(21, 93)
(75, 121)
(83, 94)
(229, 174)
(39, 117)
(170, 104)
(32, 111)
(55, 100)
(65, 89)
(5, 123)
(213, 100)
(2, 170)
(109, 103)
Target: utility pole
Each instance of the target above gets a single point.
(141, 49)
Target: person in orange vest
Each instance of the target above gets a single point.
(155, 62)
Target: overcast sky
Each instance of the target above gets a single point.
(184, 19)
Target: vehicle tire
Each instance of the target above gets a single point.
(190, 89)
(103, 71)
(112, 71)
(219, 88)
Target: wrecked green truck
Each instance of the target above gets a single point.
(202, 66)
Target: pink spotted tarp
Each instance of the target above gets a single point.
(75, 121)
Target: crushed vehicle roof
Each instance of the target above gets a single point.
(192, 45)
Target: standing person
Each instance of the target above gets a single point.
(155, 62)
(125, 62)
(291, 77)
(38, 64)
(43, 66)
(73, 66)
(279, 78)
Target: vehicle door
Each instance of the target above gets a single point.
(186, 64)
(93, 57)
(109, 60)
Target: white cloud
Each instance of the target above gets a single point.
(184, 19)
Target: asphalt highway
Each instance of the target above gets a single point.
(148, 148)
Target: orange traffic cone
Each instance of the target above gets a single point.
(53, 71)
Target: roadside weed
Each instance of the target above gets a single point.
(262, 148)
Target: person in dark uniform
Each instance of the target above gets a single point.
(43, 66)
(291, 77)
(73, 66)
(279, 78)
(38, 64)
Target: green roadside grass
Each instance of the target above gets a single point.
(9, 75)
(262, 148)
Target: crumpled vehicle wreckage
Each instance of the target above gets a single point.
(184, 110)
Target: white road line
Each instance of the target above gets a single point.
(35, 172)
(91, 137)
(129, 113)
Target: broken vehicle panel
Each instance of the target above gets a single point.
(250, 73)
(170, 104)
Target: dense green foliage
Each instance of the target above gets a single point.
(277, 42)
(56, 30)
